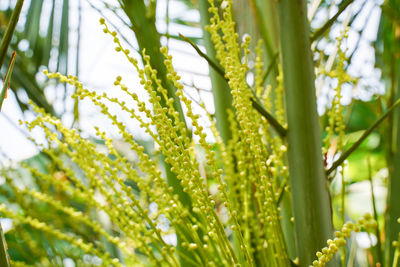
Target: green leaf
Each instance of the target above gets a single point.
(363, 114)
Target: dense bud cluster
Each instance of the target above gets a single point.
(243, 204)
(336, 112)
(327, 253)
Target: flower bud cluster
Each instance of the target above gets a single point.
(250, 148)
(103, 173)
(259, 74)
(247, 177)
(335, 113)
(327, 253)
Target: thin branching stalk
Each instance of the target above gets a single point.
(256, 103)
(321, 31)
(220, 89)
(274, 123)
(348, 152)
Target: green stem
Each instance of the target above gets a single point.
(78, 43)
(321, 31)
(274, 123)
(348, 152)
(396, 257)
(343, 211)
(271, 66)
(310, 195)
(5, 42)
(375, 214)
(255, 101)
(215, 66)
(393, 199)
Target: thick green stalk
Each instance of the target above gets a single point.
(78, 43)
(393, 199)
(287, 224)
(220, 89)
(387, 47)
(310, 195)
(266, 17)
